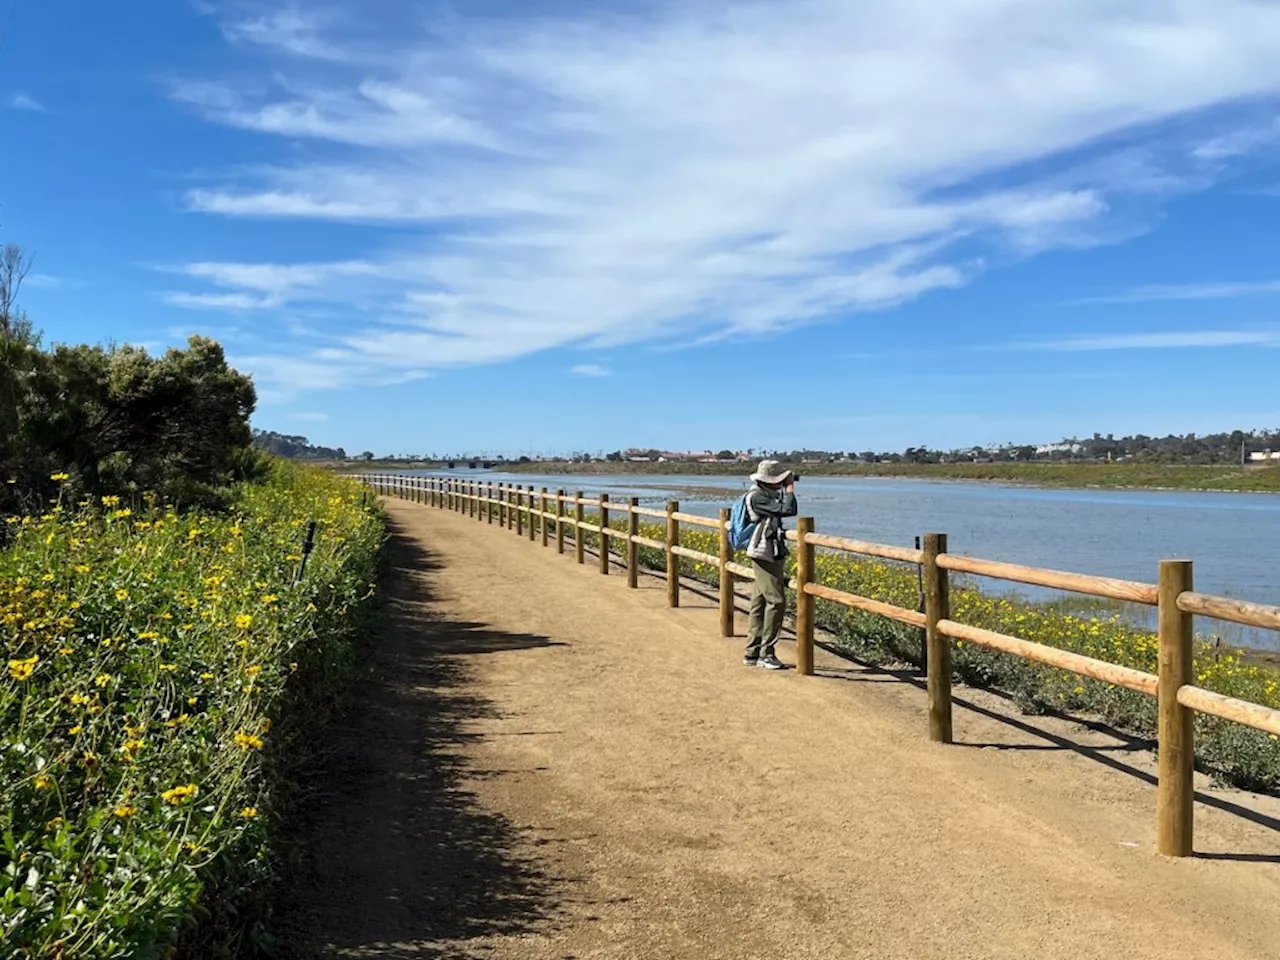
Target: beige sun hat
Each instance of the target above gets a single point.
(770, 471)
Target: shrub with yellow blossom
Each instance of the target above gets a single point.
(147, 652)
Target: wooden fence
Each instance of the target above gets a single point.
(523, 510)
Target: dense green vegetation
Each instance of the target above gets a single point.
(117, 421)
(1080, 475)
(151, 658)
(162, 657)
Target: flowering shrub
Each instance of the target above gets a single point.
(1239, 755)
(147, 656)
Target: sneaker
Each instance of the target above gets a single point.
(750, 661)
(772, 663)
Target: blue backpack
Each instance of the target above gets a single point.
(741, 525)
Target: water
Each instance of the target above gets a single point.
(1233, 538)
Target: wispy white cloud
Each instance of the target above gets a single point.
(1188, 291)
(49, 281)
(220, 301)
(590, 370)
(1166, 340)
(708, 170)
(24, 101)
(289, 31)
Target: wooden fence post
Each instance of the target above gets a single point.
(546, 532)
(804, 600)
(560, 521)
(633, 548)
(519, 511)
(530, 512)
(937, 606)
(673, 561)
(604, 539)
(726, 576)
(437, 493)
(1175, 796)
(488, 502)
(577, 530)
(475, 500)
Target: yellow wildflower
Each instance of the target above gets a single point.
(247, 741)
(176, 795)
(252, 670)
(248, 813)
(124, 811)
(22, 669)
(60, 477)
(244, 621)
(44, 781)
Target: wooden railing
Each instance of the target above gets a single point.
(521, 509)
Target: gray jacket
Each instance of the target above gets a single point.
(767, 508)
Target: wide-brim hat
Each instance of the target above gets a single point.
(770, 471)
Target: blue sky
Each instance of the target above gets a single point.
(553, 226)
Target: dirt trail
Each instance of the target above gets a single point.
(548, 765)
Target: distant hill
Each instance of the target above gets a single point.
(295, 448)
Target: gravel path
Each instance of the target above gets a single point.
(545, 764)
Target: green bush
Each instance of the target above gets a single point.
(149, 654)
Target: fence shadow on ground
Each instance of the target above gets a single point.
(1052, 741)
(394, 856)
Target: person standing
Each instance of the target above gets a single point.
(771, 498)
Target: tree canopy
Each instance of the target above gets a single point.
(117, 420)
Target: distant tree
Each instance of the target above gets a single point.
(14, 267)
(726, 455)
(294, 447)
(367, 456)
(615, 457)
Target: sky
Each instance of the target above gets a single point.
(548, 226)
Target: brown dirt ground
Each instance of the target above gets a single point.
(545, 764)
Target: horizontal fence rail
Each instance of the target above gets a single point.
(531, 512)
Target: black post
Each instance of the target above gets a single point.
(307, 545)
(924, 645)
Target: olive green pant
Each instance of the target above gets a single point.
(768, 607)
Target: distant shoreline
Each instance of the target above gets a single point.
(1214, 478)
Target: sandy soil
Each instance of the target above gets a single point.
(545, 764)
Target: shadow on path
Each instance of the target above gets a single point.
(395, 856)
(1128, 743)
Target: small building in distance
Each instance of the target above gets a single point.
(1265, 456)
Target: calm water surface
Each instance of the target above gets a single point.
(1234, 538)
